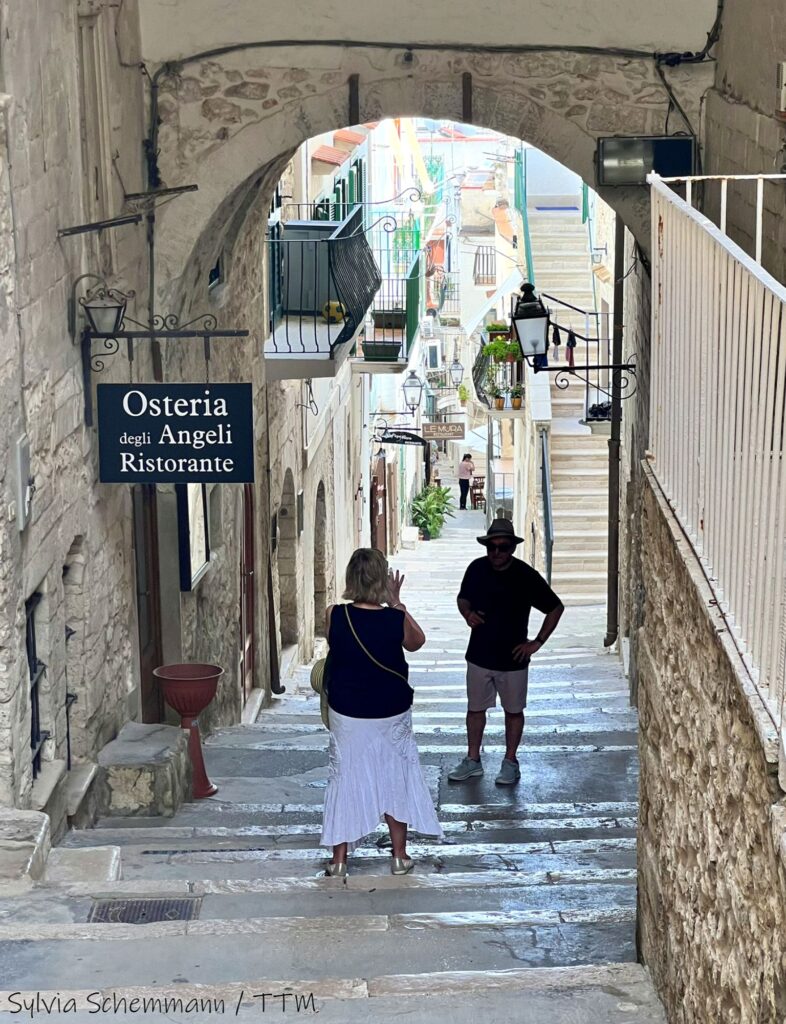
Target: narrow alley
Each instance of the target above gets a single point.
(529, 878)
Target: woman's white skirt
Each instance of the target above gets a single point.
(374, 770)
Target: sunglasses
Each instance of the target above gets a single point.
(500, 549)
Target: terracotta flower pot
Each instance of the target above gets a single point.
(516, 403)
(499, 403)
(188, 689)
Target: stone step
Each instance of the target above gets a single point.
(596, 598)
(607, 994)
(576, 582)
(596, 450)
(148, 856)
(85, 863)
(301, 830)
(574, 562)
(577, 476)
(48, 909)
(85, 956)
(592, 500)
(594, 542)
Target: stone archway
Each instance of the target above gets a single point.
(320, 561)
(287, 563)
(230, 123)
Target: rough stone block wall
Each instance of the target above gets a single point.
(635, 438)
(712, 884)
(44, 186)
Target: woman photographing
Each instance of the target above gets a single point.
(374, 768)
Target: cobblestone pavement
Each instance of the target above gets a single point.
(525, 912)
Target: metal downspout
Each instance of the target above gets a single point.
(612, 603)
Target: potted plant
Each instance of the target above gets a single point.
(430, 508)
(516, 393)
(512, 351)
(463, 393)
(497, 348)
(381, 351)
(496, 329)
(495, 392)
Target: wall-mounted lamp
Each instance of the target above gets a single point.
(107, 320)
(456, 371)
(413, 391)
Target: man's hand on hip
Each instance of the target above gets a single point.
(475, 619)
(523, 652)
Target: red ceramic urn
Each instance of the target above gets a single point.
(188, 689)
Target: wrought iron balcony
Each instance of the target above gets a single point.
(323, 279)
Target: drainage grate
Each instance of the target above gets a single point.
(144, 911)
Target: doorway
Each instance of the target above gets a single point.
(320, 562)
(148, 600)
(379, 538)
(247, 594)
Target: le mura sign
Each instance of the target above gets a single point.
(175, 433)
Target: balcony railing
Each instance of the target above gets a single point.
(323, 281)
(718, 407)
(485, 267)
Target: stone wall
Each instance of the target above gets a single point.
(51, 178)
(225, 121)
(635, 438)
(712, 885)
(741, 131)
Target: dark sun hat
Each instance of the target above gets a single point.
(500, 528)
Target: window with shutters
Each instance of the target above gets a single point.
(95, 127)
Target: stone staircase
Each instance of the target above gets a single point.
(525, 912)
(579, 458)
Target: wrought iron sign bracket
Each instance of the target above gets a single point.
(165, 328)
(626, 371)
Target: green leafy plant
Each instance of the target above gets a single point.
(430, 508)
(463, 392)
(517, 391)
(501, 348)
(496, 327)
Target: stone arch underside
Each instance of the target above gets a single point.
(231, 124)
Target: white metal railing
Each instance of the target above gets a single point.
(717, 414)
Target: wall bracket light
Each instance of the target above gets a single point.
(107, 321)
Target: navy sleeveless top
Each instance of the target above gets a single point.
(357, 687)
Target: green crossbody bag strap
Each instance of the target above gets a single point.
(367, 652)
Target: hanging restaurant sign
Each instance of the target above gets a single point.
(443, 431)
(398, 437)
(175, 433)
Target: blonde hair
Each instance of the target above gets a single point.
(367, 577)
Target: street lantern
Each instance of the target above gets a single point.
(456, 371)
(530, 321)
(413, 391)
(105, 309)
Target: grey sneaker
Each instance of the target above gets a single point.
(509, 773)
(465, 770)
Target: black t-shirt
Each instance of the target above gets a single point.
(504, 597)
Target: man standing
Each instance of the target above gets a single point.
(495, 599)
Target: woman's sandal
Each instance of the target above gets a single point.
(337, 870)
(401, 865)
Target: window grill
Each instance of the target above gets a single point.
(485, 270)
(36, 667)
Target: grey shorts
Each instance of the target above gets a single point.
(483, 685)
